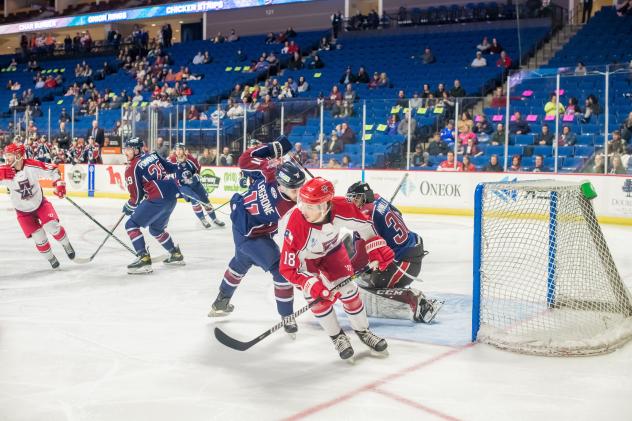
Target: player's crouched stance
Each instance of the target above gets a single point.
(153, 197)
(314, 259)
(36, 215)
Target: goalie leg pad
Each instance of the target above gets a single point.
(393, 303)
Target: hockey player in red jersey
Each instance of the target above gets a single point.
(314, 259)
(36, 215)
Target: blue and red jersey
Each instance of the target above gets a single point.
(257, 212)
(147, 177)
(187, 169)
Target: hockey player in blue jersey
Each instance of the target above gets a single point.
(391, 284)
(153, 197)
(191, 188)
(255, 214)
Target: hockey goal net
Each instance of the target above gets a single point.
(545, 282)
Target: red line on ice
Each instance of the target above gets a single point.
(374, 385)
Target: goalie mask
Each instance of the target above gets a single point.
(360, 194)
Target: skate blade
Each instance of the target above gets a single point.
(218, 313)
(143, 271)
(379, 354)
(351, 360)
(178, 263)
(291, 335)
(430, 317)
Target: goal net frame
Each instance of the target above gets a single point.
(609, 315)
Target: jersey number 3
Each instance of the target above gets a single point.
(395, 222)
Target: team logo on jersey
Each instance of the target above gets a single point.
(274, 193)
(25, 190)
(288, 235)
(209, 180)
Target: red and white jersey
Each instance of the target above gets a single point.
(26, 192)
(304, 243)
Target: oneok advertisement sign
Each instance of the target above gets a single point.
(136, 14)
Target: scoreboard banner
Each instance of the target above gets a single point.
(136, 14)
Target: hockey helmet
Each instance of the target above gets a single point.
(134, 142)
(16, 149)
(290, 176)
(360, 189)
(179, 145)
(317, 191)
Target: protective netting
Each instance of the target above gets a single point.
(548, 284)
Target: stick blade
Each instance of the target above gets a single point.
(233, 343)
(82, 260)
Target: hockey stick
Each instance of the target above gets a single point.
(81, 260)
(401, 183)
(90, 217)
(300, 164)
(242, 346)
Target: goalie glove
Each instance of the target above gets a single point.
(60, 188)
(316, 289)
(380, 254)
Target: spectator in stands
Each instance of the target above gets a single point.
(437, 146)
(199, 58)
(538, 164)
(552, 107)
(315, 62)
(545, 137)
(457, 91)
(348, 77)
(591, 108)
(495, 48)
(467, 165)
(440, 90)
(63, 137)
(302, 85)
(580, 69)
(427, 57)
(270, 38)
(493, 165)
(362, 76)
(465, 122)
(417, 158)
(484, 46)
(626, 128)
(225, 158)
(296, 62)
(572, 108)
(299, 153)
(498, 98)
(450, 164)
(14, 103)
(218, 39)
(482, 128)
(324, 44)
(232, 36)
(516, 162)
(616, 145)
(347, 135)
(96, 132)
(402, 101)
(586, 10)
(470, 148)
(479, 60)
(313, 161)
(403, 129)
(416, 102)
(349, 98)
(335, 95)
(384, 81)
(392, 123)
(207, 158)
(334, 145)
(375, 80)
(346, 162)
(567, 138)
(616, 165)
(598, 165)
(447, 133)
(333, 163)
(193, 113)
(518, 125)
(504, 61)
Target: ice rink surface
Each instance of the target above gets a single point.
(89, 342)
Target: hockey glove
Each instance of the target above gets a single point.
(128, 209)
(60, 188)
(317, 289)
(6, 172)
(380, 254)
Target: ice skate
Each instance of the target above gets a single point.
(141, 265)
(205, 223)
(290, 326)
(70, 252)
(53, 262)
(219, 223)
(221, 307)
(427, 310)
(175, 258)
(343, 346)
(378, 345)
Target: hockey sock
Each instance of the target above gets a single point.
(283, 293)
(211, 212)
(230, 282)
(42, 244)
(197, 208)
(165, 240)
(134, 233)
(354, 307)
(326, 316)
(58, 232)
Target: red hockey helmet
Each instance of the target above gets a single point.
(15, 149)
(316, 191)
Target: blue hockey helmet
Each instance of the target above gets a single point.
(179, 145)
(134, 142)
(290, 176)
